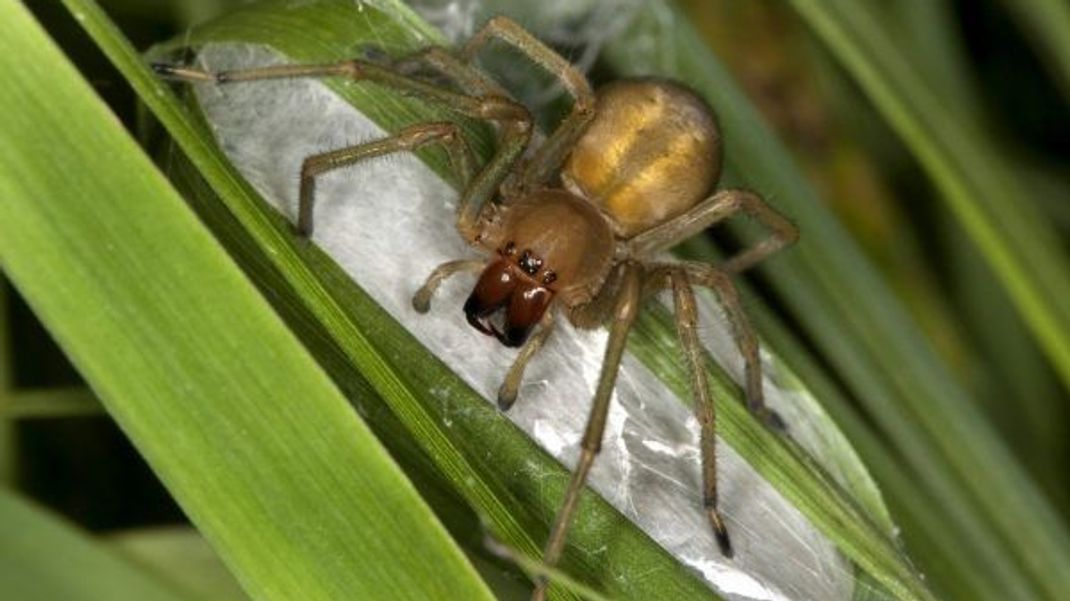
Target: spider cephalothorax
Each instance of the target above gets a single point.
(550, 244)
(574, 226)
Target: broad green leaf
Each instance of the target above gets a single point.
(246, 431)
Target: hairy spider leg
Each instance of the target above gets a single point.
(722, 205)
(409, 138)
(514, 119)
(507, 392)
(675, 277)
(440, 61)
(550, 154)
(443, 62)
(626, 300)
(421, 301)
(706, 410)
(717, 280)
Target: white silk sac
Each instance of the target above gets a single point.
(388, 222)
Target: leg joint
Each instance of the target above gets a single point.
(584, 103)
(312, 166)
(499, 108)
(425, 132)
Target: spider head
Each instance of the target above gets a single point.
(510, 297)
(549, 245)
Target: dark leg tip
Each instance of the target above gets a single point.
(421, 302)
(302, 231)
(515, 337)
(375, 54)
(720, 532)
(725, 544)
(506, 398)
(163, 68)
(773, 421)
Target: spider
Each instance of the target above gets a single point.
(572, 227)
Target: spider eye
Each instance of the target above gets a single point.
(529, 263)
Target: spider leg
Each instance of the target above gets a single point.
(514, 119)
(421, 301)
(671, 276)
(436, 60)
(719, 207)
(442, 61)
(508, 390)
(549, 156)
(410, 138)
(623, 316)
(716, 279)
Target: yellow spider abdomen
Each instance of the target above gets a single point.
(651, 152)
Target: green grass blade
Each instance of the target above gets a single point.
(43, 558)
(1020, 246)
(247, 432)
(51, 403)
